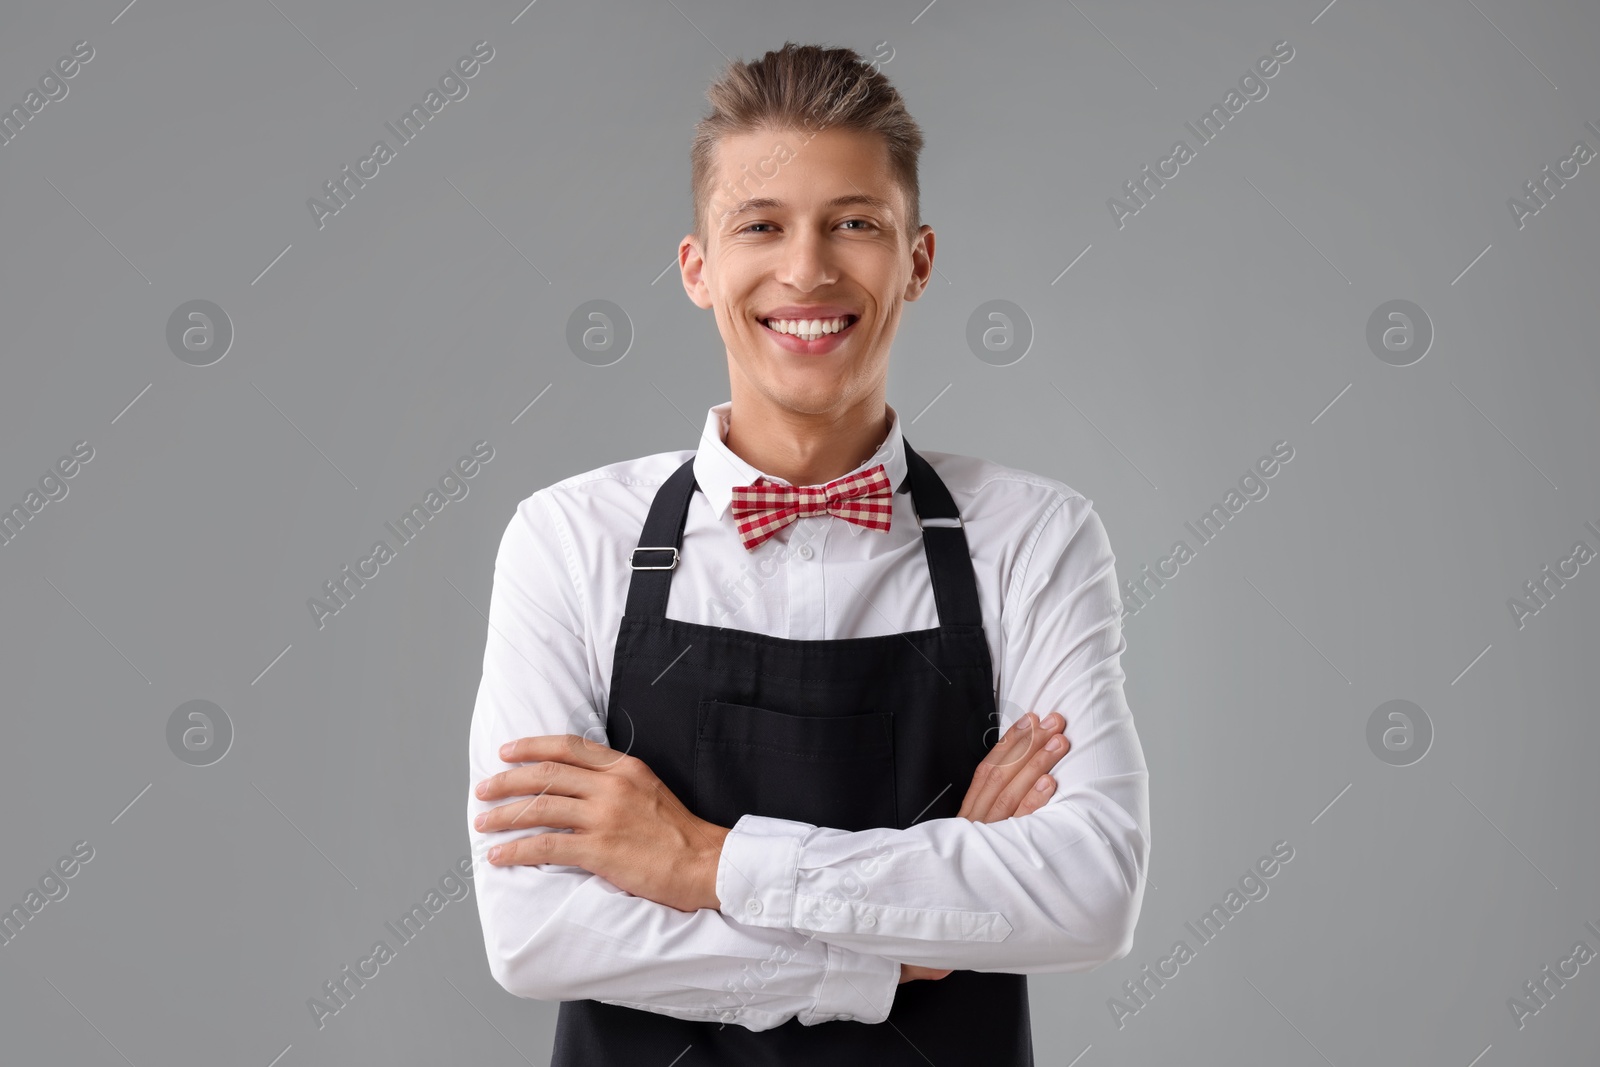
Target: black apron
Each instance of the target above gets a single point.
(854, 734)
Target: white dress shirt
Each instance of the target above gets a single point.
(815, 921)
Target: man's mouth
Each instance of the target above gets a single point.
(811, 329)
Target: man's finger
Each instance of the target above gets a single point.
(547, 809)
(1035, 798)
(545, 776)
(985, 779)
(1014, 744)
(565, 748)
(1004, 762)
(551, 846)
(1009, 801)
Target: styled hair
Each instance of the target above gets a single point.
(809, 88)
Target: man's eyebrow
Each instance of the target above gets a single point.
(767, 203)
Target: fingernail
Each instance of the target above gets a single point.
(505, 750)
(1044, 783)
(494, 853)
(483, 788)
(482, 818)
(1055, 744)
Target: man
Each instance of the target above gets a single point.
(731, 696)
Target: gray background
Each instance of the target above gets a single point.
(1229, 314)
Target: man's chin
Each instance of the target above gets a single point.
(811, 397)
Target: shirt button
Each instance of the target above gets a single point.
(753, 907)
(804, 552)
(869, 920)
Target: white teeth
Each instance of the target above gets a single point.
(807, 329)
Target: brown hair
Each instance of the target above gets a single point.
(805, 87)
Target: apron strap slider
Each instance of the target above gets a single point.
(654, 567)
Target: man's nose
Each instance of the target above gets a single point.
(807, 261)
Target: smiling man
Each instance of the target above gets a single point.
(730, 828)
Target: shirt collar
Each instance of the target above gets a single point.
(717, 469)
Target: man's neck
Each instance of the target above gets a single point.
(807, 449)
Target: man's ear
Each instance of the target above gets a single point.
(692, 264)
(921, 262)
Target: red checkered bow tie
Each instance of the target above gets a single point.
(765, 507)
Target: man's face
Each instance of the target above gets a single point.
(806, 251)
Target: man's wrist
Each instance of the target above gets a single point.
(709, 860)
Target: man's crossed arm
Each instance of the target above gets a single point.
(628, 827)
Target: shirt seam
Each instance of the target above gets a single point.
(602, 474)
(569, 556)
(1019, 582)
(564, 536)
(1029, 546)
(1062, 491)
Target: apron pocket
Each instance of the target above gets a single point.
(828, 770)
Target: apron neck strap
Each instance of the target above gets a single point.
(955, 588)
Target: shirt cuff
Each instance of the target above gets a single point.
(856, 987)
(758, 871)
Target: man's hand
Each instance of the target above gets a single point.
(1005, 784)
(626, 825)
(910, 973)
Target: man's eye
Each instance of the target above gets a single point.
(860, 224)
